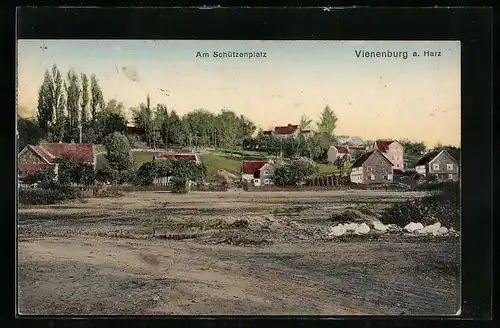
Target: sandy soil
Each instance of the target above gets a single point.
(118, 256)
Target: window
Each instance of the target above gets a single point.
(372, 177)
(264, 172)
(397, 165)
(449, 167)
(435, 166)
(394, 158)
(450, 176)
(389, 177)
(386, 177)
(266, 181)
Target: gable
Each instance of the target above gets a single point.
(378, 156)
(443, 157)
(29, 155)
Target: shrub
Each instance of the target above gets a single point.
(54, 195)
(240, 224)
(179, 185)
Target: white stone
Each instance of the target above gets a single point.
(411, 227)
(338, 230)
(363, 228)
(351, 226)
(377, 225)
(443, 230)
(433, 228)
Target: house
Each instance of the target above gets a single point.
(392, 150)
(336, 152)
(439, 164)
(34, 158)
(372, 167)
(287, 131)
(257, 173)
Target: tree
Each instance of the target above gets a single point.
(85, 98)
(162, 122)
(30, 133)
(118, 152)
(327, 122)
(292, 174)
(305, 122)
(96, 97)
(72, 87)
(413, 151)
(51, 104)
(175, 129)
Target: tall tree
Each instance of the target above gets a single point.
(413, 150)
(96, 97)
(175, 129)
(305, 122)
(46, 111)
(327, 122)
(162, 122)
(72, 86)
(85, 98)
(51, 104)
(118, 152)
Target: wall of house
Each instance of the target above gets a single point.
(357, 175)
(395, 154)
(379, 168)
(267, 174)
(246, 177)
(444, 167)
(421, 169)
(332, 154)
(29, 157)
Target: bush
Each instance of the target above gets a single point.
(179, 185)
(443, 206)
(54, 195)
(240, 224)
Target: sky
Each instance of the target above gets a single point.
(416, 98)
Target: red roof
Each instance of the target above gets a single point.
(44, 153)
(356, 148)
(30, 168)
(253, 167)
(189, 157)
(289, 129)
(342, 149)
(383, 145)
(78, 152)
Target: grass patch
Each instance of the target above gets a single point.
(141, 157)
(216, 163)
(290, 210)
(113, 193)
(218, 224)
(326, 169)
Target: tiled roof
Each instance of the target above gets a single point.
(356, 148)
(42, 152)
(359, 162)
(30, 168)
(189, 157)
(289, 129)
(342, 149)
(383, 145)
(427, 158)
(78, 152)
(253, 167)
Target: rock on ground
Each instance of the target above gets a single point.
(380, 226)
(363, 228)
(412, 226)
(433, 228)
(338, 230)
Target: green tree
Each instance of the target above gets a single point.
(413, 151)
(327, 122)
(292, 174)
(30, 133)
(96, 97)
(118, 152)
(175, 129)
(85, 115)
(162, 122)
(305, 123)
(72, 87)
(51, 104)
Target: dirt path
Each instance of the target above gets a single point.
(113, 276)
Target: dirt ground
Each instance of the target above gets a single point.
(161, 253)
